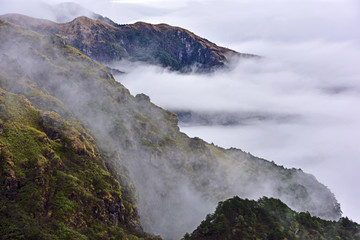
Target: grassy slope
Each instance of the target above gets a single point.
(56, 185)
(55, 181)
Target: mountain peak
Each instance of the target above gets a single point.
(161, 44)
(84, 20)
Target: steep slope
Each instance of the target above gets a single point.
(162, 44)
(178, 179)
(269, 218)
(55, 183)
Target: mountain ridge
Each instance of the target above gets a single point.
(173, 47)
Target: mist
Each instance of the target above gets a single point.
(307, 78)
(314, 98)
(309, 71)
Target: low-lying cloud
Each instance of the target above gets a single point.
(313, 82)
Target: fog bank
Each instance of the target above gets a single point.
(304, 81)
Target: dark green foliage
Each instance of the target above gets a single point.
(166, 59)
(269, 218)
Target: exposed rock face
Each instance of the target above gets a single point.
(142, 98)
(169, 46)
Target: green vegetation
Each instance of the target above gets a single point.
(269, 218)
(55, 184)
(55, 181)
(167, 59)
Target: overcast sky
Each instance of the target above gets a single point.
(311, 71)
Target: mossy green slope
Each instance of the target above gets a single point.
(269, 218)
(55, 183)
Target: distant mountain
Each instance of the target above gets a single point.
(269, 218)
(67, 11)
(162, 44)
(223, 118)
(82, 158)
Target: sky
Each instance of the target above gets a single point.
(309, 77)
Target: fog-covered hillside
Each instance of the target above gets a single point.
(81, 118)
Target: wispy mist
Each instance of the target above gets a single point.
(310, 71)
(305, 81)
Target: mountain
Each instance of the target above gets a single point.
(269, 218)
(105, 41)
(82, 157)
(55, 182)
(67, 11)
(223, 118)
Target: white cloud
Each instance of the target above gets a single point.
(315, 81)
